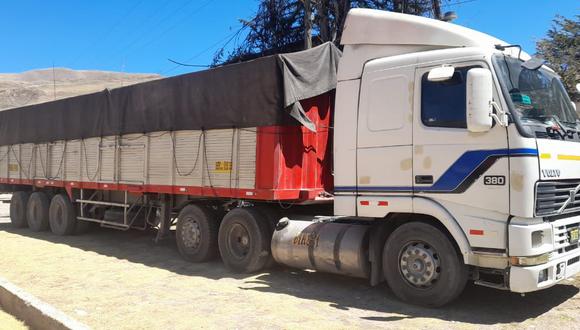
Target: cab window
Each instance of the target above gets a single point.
(443, 103)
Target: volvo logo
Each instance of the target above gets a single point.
(571, 198)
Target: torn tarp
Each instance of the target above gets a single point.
(305, 78)
(261, 92)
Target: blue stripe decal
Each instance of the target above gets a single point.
(459, 171)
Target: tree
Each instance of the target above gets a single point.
(561, 49)
(286, 25)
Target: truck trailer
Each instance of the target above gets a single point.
(424, 155)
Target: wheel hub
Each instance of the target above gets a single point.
(239, 241)
(192, 234)
(419, 264)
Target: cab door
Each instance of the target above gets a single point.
(465, 172)
(384, 137)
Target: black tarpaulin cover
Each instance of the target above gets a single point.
(261, 92)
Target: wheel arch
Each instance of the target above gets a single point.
(427, 211)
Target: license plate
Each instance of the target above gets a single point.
(574, 234)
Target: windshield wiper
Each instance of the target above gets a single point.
(563, 132)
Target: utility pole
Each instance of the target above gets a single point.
(53, 81)
(399, 6)
(123, 71)
(307, 24)
(437, 9)
(322, 9)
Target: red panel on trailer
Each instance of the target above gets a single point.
(292, 161)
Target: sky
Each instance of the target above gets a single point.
(141, 35)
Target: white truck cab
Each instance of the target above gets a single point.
(458, 127)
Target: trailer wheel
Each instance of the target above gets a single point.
(244, 240)
(18, 209)
(62, 215)
(422, 266)
(196, 234)
(37, 211)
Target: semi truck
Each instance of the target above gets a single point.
(424, 155)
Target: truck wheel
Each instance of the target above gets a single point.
(62, 215)
(244, 240)
(422, 266)
(37, 211)
(196, 234)
(18, 209)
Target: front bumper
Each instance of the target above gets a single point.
(564, 256)
(527, 279)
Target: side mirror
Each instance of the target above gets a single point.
(442, 73)
(479, 97)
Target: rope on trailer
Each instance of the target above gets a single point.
(84, 147)
(6, 154)
(32, 159)
(173, 143)
(44, 171)
(238, 161)
(18, 160)
(206, 162)
(232, 159)
(60, 165)
(16, 157)
(42, 167)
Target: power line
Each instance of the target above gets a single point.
(164, 32)
(142, 29)
(192, 65)
(109, 31)
(228, 37)
(179, 22)
(457, 3)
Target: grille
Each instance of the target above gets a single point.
(552, 196)
(562, 243)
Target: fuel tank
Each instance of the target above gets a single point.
(339, 248)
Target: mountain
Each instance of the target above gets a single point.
(38, 86)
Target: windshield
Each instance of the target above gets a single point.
(537, 98)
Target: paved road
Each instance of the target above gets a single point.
(123, 280)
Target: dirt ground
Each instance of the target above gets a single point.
(8, 322)
(109, 279)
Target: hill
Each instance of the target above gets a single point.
(38, 86)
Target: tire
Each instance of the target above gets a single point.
(18, 209)
(37, 211)
(434, 276)
(244, 240)
(197, 234)
(62, 215)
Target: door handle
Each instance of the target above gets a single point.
(423, 179)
